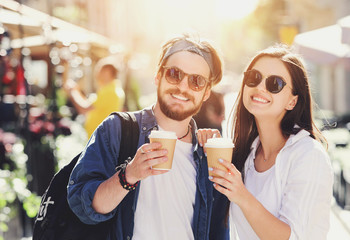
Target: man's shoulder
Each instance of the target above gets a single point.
(113, 120)
(109, 132)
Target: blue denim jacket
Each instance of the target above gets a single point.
(97, 163)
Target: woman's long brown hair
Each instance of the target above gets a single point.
(244, 129)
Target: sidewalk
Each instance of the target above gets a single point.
(340, 223)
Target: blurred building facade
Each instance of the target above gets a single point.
(138, 25)
(324, 41)
(313, 14)
(319, 30)
(327, 51)
(35, 41)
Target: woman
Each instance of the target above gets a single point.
(280, 182)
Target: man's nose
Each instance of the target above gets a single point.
(183, 84)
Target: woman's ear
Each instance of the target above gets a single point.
(292, 103)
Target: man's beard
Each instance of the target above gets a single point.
(177, 115)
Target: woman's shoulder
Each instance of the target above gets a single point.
(306, 151)
(305, 160)
(309, 145)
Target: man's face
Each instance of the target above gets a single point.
(179, 101)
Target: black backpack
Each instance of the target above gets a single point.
(55, 219)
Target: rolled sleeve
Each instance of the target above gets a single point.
(307, 196)
(96, 164)
(87, 194)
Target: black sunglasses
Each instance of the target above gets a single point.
(175, 75)
(274, 83)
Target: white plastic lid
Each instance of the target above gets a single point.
(162, 134)
(219, 143)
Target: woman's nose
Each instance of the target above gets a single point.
(262, 85)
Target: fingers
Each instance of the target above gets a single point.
(221, 189)
(216, 133)
(222, 181)
(230, 167)
(225, 182)
(146, 157)
(140, 170)
(158, 172)
(142, 151)
(229, 182)
(221, 175)
(152, 154)
(204, 134)
(224, 178)
(154, 161)
(148, 147)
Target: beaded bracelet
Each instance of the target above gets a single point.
(122, 178)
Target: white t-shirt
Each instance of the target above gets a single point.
(296, 190)
(166, 202)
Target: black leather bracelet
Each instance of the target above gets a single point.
(122, 178)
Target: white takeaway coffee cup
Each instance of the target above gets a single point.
(218, 148)
(168, 141)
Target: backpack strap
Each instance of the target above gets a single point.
(130, 135)
(128, 148)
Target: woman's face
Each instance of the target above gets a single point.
(264, 104)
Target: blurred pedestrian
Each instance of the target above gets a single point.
(280, 182)
(212, 112)
(110, 95)
(176, 204)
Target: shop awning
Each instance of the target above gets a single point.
(40, 29)
(345, 25)
(323, 46)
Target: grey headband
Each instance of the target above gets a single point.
(184, 45)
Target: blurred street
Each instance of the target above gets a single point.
(52, 50)
(340, 224)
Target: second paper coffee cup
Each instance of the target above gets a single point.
(218, 148)
(168, 141)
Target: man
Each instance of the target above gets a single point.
(110, 95)
(176, 204)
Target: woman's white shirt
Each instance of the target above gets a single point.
(296, 190)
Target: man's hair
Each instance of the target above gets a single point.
(204, 46)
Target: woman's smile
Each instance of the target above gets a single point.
(259, 99)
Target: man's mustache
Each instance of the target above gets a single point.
(178, 92)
